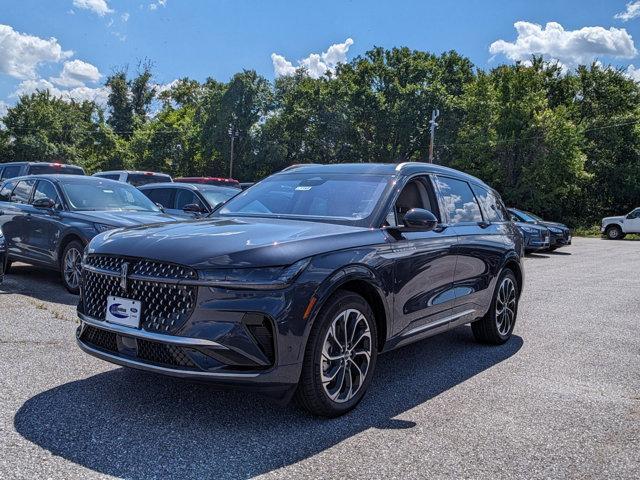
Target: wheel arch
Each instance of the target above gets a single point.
(516, 267)
(362, 281)
(66, 240)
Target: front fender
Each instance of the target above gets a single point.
(339, 278)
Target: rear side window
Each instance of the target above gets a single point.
(186, 197)
(55, 168)
(109, 176)
(458, 200)
(139, 179)
(163, 196)
(11, 172)
(492, 207)
(5, 191)
(22, 192)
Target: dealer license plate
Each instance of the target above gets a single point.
(123, 311)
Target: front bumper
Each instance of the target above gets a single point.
(533, 244)
(560, 239)
(183, 357)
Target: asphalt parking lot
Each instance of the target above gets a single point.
(560, 400)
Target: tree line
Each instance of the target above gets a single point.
(564, 144)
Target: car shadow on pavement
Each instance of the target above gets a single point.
(138, 425)
(39, 283)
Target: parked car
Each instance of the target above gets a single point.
(48, 219)
(187, 199)
(615, 228)
(134, 178)
(536, 237)
(224, 182)
(295, 285)
(20, 169)
(3, 256)
(560, 234)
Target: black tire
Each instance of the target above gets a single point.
(490, 329)
(311, 393)
(73, 246)
(551, 249)
(614, 232)
(7, 266)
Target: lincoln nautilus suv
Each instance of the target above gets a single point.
(295, 285)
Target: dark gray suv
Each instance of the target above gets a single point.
(48, 219)
(295, 285)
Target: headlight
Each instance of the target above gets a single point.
(254, 278)
(528, 229)
(101, 227)
(555, 229)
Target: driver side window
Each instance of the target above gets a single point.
(417, 193)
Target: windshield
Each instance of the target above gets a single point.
(219, 195)
(340, 198)
(526, 217)
(106, 195)
(535, 217)
(139, 179)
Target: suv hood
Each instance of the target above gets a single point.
(233, 242)
(613, 219)
(125, 219)
(554, 224)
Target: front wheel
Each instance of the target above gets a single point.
(70, 266)
(340, 357)
(497, 325)
(614, 233)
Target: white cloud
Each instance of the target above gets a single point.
(21, 54)
(632, 11)
(633, 73)
(569, 47)
(158, 3)
(3, 108)
(99, 7)
(125, 17)
(315, 64)
(76, 73)
(98, 94)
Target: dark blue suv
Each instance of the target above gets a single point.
(296, 284)
(48, 219)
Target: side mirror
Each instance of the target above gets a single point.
(420, 219)
(192, 208)
(45, 203)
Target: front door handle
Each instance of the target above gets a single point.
(483, 224)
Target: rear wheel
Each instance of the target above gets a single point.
(497, 325)
(340, 357)
(70, 266)
(614, 232)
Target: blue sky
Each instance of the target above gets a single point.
(70, 46)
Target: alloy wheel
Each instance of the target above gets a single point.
(506, 306)
(72, 266)
(346, 355)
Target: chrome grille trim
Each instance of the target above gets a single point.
(157, 337)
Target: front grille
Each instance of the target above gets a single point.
(164, 354)
(154, 352)
(102, 339)
(165, 307)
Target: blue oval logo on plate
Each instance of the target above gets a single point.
(118, 311)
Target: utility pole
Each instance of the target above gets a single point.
(233, 134)
(434, 116)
